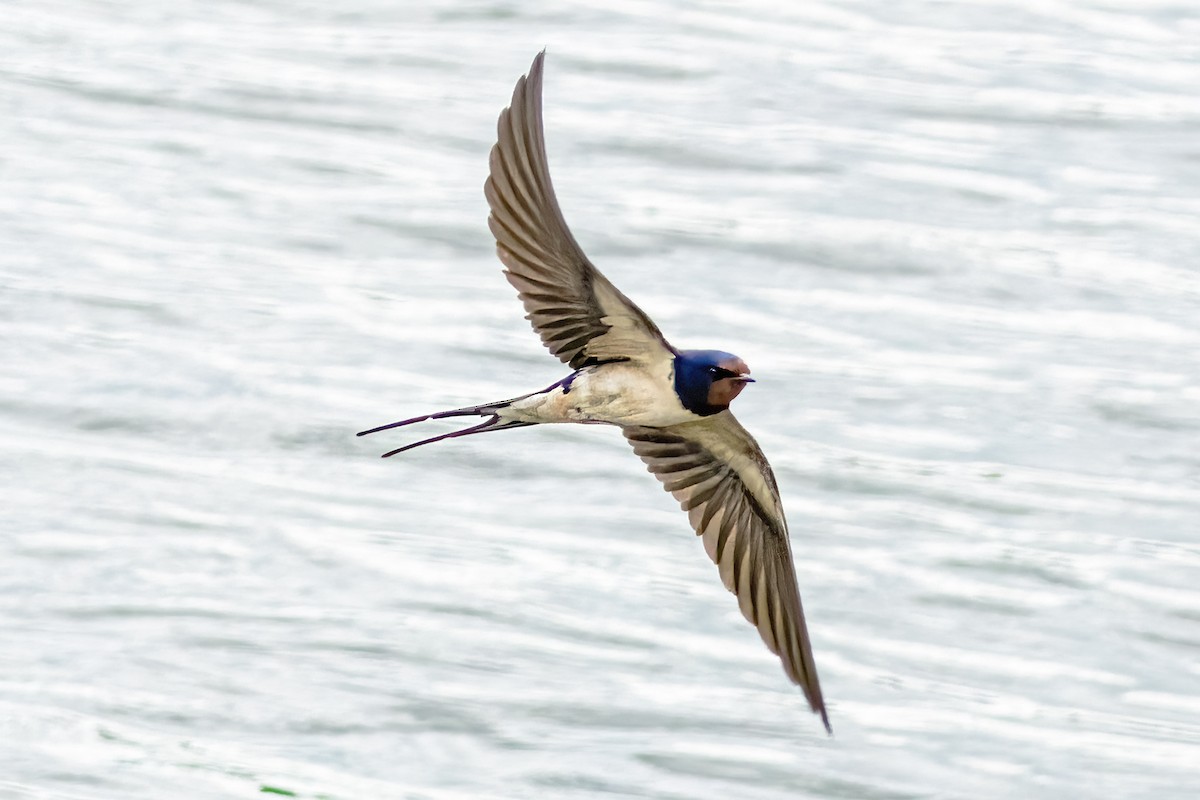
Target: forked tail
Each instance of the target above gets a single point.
(489, 410)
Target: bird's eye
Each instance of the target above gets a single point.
(713, 370)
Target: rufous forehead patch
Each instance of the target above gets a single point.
(735, 365)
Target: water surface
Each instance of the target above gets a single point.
(958, 244)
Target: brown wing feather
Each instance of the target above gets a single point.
(579, 315)
(717, 472)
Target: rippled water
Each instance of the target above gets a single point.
(958, 244)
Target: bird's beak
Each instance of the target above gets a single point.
(743, 379)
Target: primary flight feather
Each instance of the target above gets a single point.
(672, 405)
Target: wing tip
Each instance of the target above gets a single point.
(825, 720)
(533, 78)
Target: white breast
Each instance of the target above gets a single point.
(621, 393)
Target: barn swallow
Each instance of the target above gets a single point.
(672, 405)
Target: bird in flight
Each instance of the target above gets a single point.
(672, 405)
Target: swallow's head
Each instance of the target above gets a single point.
(708, 380)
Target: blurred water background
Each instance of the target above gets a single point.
(958, 243)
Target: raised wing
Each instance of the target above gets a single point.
(717, 472)
(582, 318)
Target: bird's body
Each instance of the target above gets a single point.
(621, 393)
(672, 405)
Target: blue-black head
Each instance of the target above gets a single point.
(708, 380)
